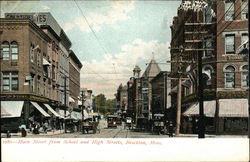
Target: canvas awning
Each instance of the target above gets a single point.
(51, 110)
(40, 109)
(61, 112)
(11, 109)
(233, 108)
(76, 115)
(209, 109)
(71, 99)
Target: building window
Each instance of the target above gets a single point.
(6, 50)
(32, 55)
(244, 10)
(14, 51)
(10, 81)
(244, 77)
(230, 44)
(207, 14)
(229, 11)
(33, 83)
(207, 45)
(229, 77)
(244, 38)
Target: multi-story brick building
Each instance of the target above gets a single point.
(122, 98)
(161, 87)
(34, 51)
(216, 31)
(134, 95)
(74, 79)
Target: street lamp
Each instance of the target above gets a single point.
(82, 109)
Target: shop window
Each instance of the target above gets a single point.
(10, 81)
(245, 77)
(6, 50)
(230, 44)
(14, 51)
(229, 11)
(230, 77)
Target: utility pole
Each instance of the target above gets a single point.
(65, 104)
(201, 124)
(82, 92)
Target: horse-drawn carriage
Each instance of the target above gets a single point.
(91, 123)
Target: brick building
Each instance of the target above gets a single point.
(134, 95)
(216, 31)
(74, 79)
(34, 52)
(122, 98)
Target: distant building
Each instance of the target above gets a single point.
(122, 98)
(161, 86)
(74, 79)
(134, 95)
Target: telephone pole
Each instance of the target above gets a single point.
(82, 94)
(65, 104)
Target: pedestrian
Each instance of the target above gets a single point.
(23, 132)
(8, 134)
(171, 129)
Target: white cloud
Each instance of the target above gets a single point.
(106, 75)
(118, 12)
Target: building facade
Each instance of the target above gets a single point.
(35, 49)
(215, 32)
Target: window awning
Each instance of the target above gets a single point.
(11, 109)
(61, 112)
(45, 62)
(209, 109)
(233, 108)
(39, 108)
(71, 99)
(76, 115)
(51, 110)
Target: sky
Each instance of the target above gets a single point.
(110, 37)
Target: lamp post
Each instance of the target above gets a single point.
(82, 94)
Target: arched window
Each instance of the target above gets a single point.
(14, 51)
(230, 77)
(6, 50)
(244, 77)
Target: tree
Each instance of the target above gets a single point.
(104, 105)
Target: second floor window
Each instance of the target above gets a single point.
(244, 38)
(6, 50)
(229, 11)
(229, 77)
(230, 44)
(14, 51)
(10, 81)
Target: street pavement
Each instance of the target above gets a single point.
(119, 132)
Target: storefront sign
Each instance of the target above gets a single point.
(236, 57)
(23, 97)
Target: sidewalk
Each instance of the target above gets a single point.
(17, 135)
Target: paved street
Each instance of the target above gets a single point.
(119, 132)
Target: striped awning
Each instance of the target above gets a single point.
(51, 110)
(233, 108)
(209, 109)
(40, 109)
